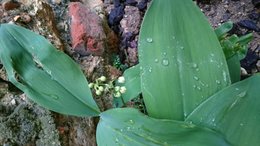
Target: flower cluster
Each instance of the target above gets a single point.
(101, 86)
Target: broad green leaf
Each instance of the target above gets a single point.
(46, 75)
(234, 68)
(181, 59)
(223, 29)
(234, 111)
(129, 127)
(132, 84)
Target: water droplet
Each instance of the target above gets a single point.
(212, 54)
(181, 47)
(196, 78)
(164, 54)
(211, 60)
(194, 86)
(207, 85)
(156, 60)
(194, 65)
(237, 89)
(141, 67)
(242, 94)
(131, 122)
(121, 130)
(55, 97)
(149, 40)
(173, 37)
(165, 62)
(218, 82)
(241, 124)
(150, 69)
(199, 88)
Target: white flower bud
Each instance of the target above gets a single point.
(98, 92)
(117, 88)
(91, 85)
(100, 88)
(121, 79)
(102, 78)
(122, 89)
(117, 94)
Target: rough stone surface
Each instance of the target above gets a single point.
(131, 20)
(24, 123)
(10, 5)
(86, 30)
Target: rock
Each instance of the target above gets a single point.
(250, 60)
(92, 3)
(86, 30)
(1, 11)
(24, 18)
(248, 24)
(254, 16)
(44, 22)
(142, 5)
(256, 3)
(131, 2)
(115, 15)
(10, 5)
(131, 21)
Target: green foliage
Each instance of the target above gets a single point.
(183, 75)
(181, 59)
(129, 127)
(132, 84)
(234, 47)
(46, 75)
(234, 112)
(118, 64)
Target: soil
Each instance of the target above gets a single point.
(22, 122)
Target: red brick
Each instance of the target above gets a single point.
(88, 36)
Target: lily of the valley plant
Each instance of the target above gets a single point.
(183, 75)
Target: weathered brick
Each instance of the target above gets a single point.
(88, 36)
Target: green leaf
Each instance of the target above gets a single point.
(234, 111)
(181, 59)
(223, 29)
(234, 68)
(46, 75)
(132, 84)
(131, 128)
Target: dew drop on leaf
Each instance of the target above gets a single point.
(164, 54)
(196, 78)
(218, 82)
(55, 97)
(150, 69)
(149, 40)
(165, 62)
(194, 65)
(242, 94)
(131, 122)
(156, 60)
